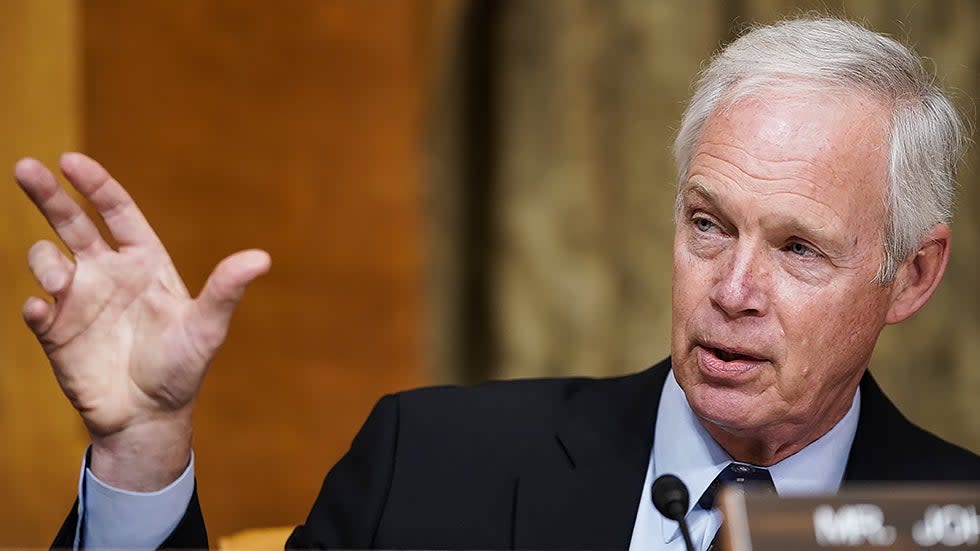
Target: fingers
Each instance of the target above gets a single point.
(69, 221)
(50, 268)
(54, 272)
(39, 315)
(224, 288)
(123, 218)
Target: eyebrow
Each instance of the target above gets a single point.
(786, 224)
(695, 187)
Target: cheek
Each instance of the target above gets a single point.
(859, 326)
(830, 332)
(688, 282)
(682, 297)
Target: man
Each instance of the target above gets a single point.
(816, 166)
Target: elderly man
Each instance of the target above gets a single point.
(816, 166)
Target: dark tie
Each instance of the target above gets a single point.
(735, 474)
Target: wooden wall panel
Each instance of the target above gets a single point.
(294, 127)
(40, 436)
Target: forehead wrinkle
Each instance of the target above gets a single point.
(802, 170)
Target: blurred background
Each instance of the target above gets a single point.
(451, 191)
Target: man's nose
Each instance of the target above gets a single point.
(742, 288)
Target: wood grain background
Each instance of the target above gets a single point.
(293, 127)
(506, 214)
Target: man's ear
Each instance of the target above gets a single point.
(920, 274)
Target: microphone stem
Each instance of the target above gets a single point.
(686, 534)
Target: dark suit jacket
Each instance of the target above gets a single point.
(544, 464)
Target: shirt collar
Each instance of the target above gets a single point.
(683, 447)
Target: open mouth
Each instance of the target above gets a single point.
(725, 364)
(727, 356)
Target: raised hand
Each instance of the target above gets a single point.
(128, 344)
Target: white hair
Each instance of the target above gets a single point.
(824, 53)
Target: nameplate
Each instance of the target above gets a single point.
(873, 517)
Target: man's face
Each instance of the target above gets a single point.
(778, 240)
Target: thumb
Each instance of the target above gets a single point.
(224, 288)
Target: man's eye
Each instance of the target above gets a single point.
(703, 225)
(800, 249)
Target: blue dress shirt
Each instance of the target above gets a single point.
(684, 448)
(111, 518)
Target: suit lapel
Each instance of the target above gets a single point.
(589, 501)
(881, 436)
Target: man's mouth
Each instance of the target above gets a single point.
(726, 362)
(727, 356)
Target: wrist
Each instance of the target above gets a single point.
(144, 457)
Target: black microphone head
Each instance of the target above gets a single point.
(670, 497)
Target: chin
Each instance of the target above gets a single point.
(726, 407)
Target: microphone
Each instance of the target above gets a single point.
(670, 497)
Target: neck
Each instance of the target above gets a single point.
(770, 445)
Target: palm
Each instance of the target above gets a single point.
(126, 340)
(118, 343)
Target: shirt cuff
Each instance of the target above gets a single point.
(111, 518)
